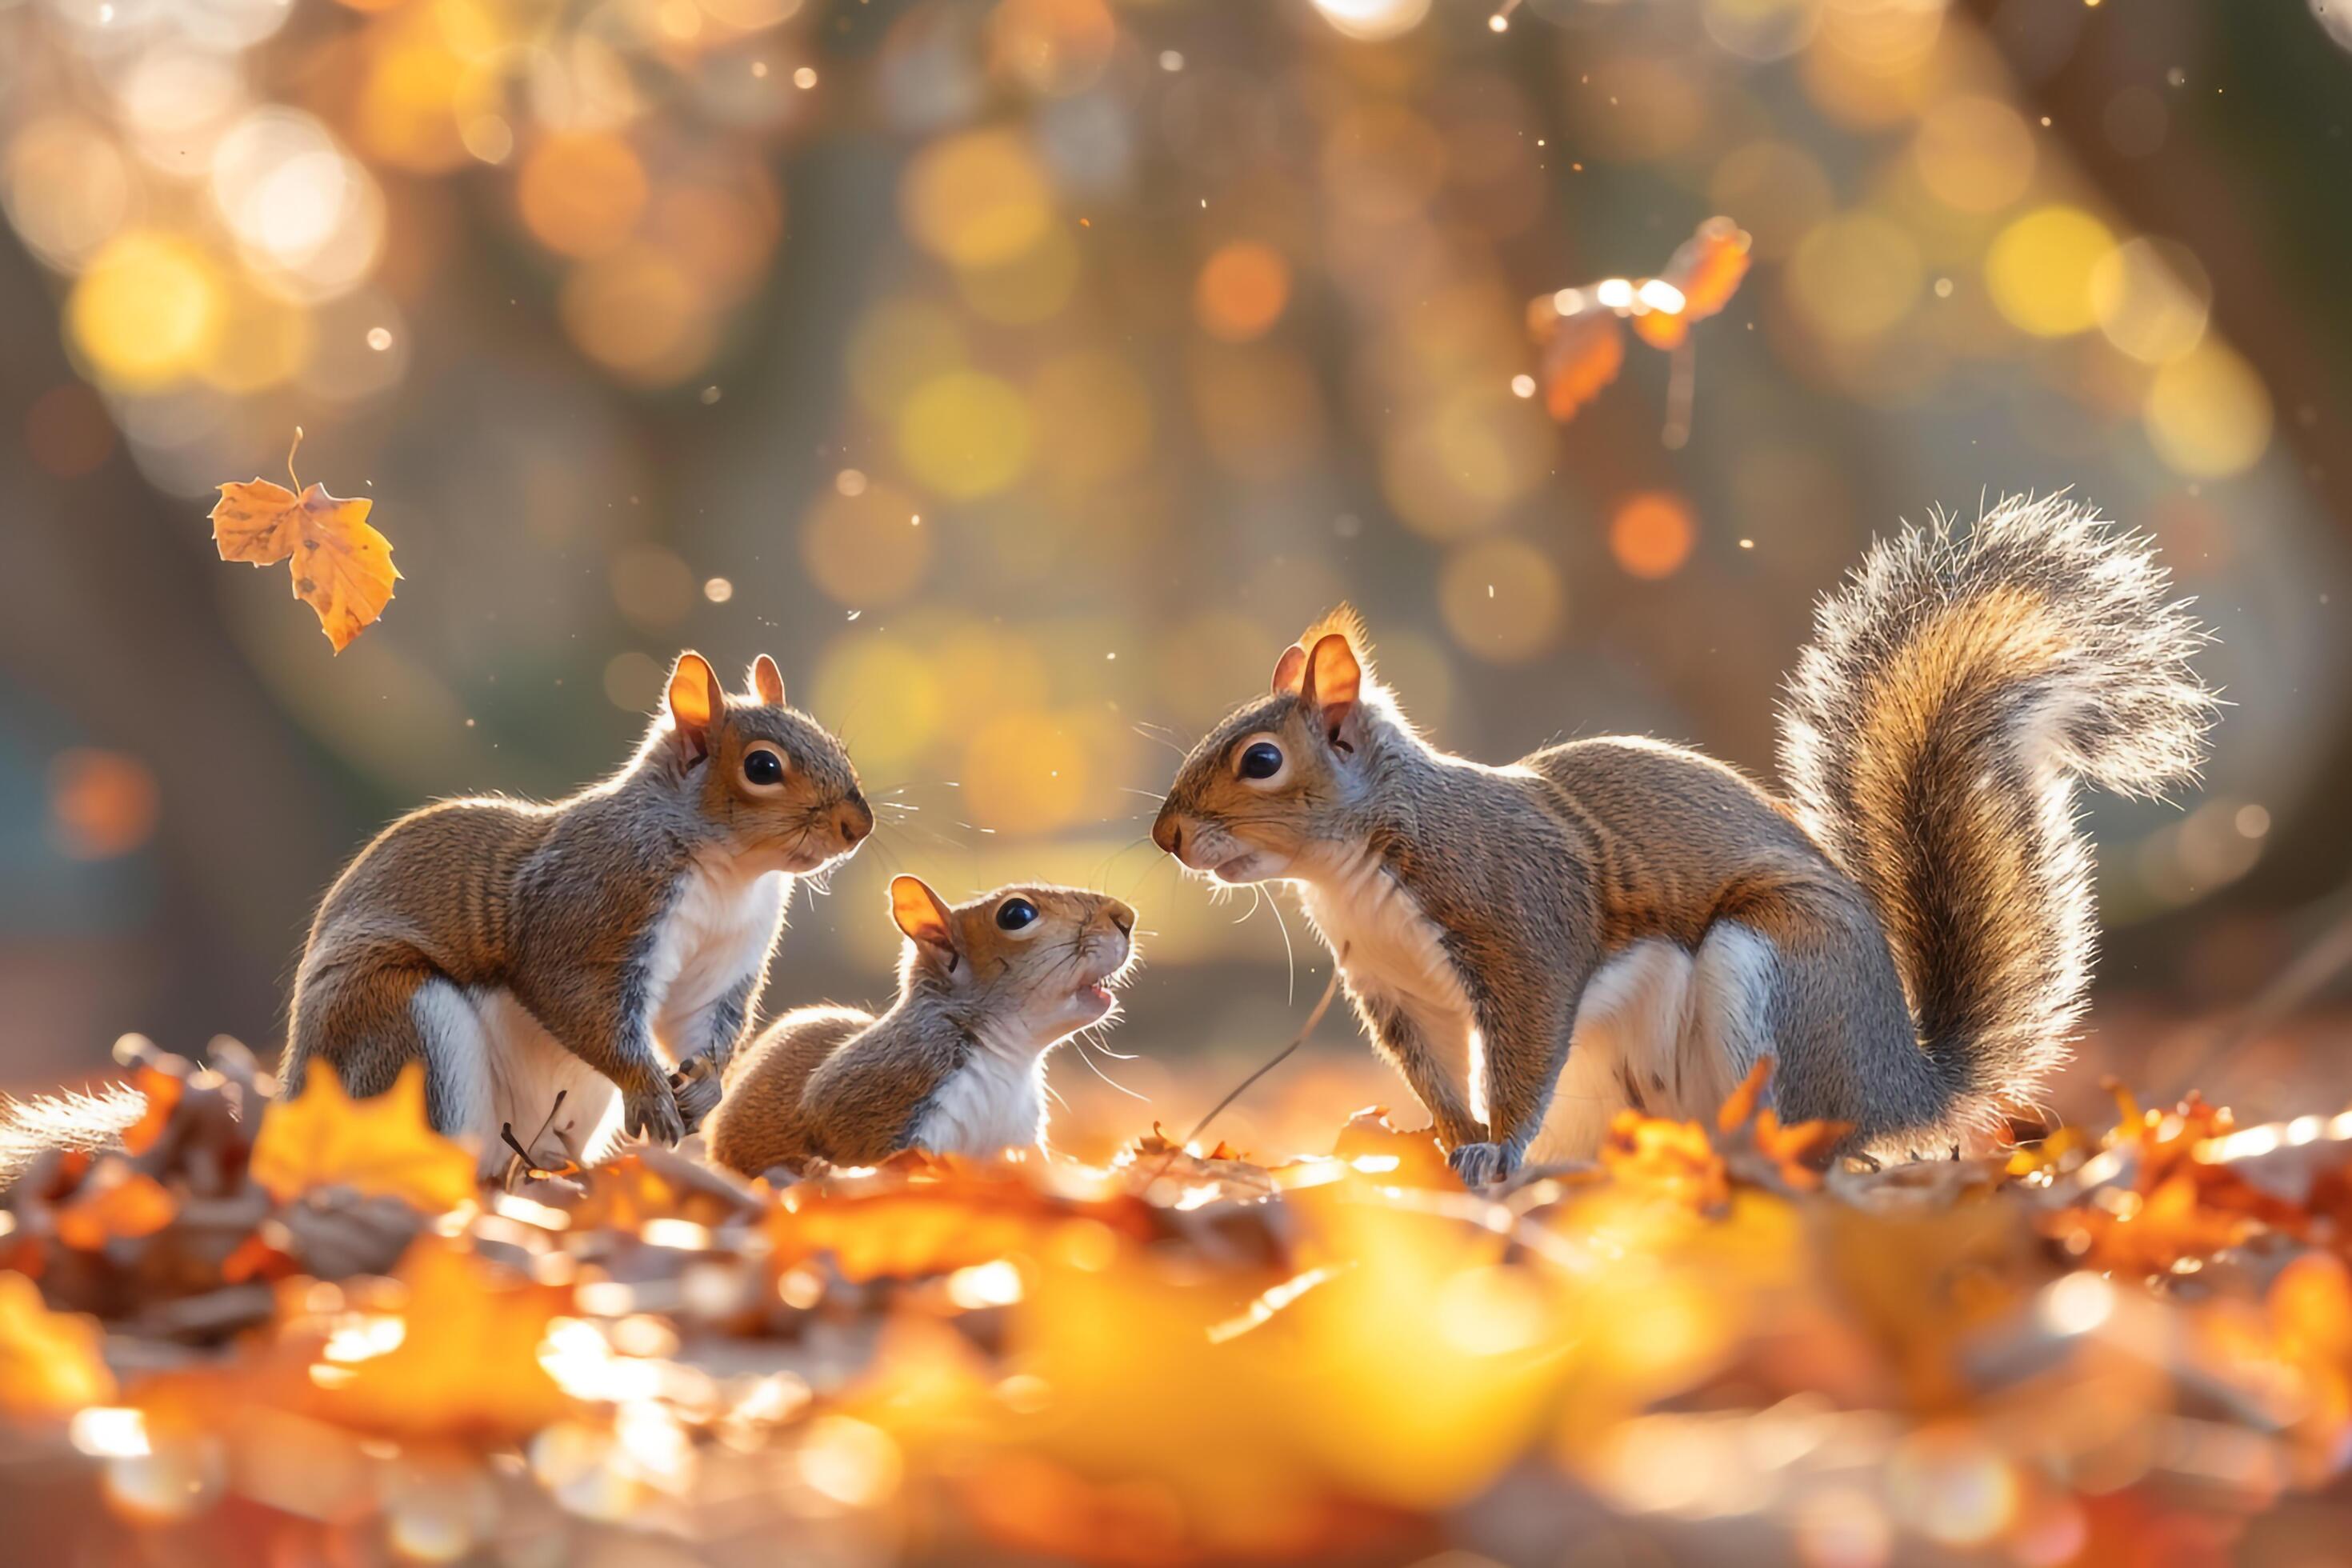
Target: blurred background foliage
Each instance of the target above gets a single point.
(1025, 374)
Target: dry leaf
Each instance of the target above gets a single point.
(1578, 329)
(469, 1360)
(49, 1362)
(952, 1216)
(341, 565)
(382, 1145)
(1582, 352)
(116, 1202)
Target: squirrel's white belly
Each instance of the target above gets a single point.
(721, 924)
(1395, 952)
(1662, 1030)
(988, 1105)
(491, 1058)
(1659, 1028)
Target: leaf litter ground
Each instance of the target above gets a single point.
(301, 1333)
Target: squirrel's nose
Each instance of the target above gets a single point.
(1121, 916)
(1168, 833)
(857, 819)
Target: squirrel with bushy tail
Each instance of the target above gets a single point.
(1612, 923)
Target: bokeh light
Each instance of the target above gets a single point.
(1502, 599)
(865, 549)
(146, 312)
(965, 434)
(1975, 153)
(2151, 300)
(976, 200)
(2039, 270)
(1241, 290)
(2208, 414)
(1856, 276)
(580, 194)
(1651, 534)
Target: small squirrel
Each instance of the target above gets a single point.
(1619, 922)
(536, 958)
(957, 1066)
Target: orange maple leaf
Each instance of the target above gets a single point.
(341, 565)
(1583, 350)
(381, 1145)
(1578, 329)
(469, 1360)
(49, 1362)
(1704, 273)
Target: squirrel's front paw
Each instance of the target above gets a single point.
(1481, 1164)
(652, 1112)
(696, 1086)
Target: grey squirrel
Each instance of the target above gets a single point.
(1619, 922)
(537, 958)
(986, 989)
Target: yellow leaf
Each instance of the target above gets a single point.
(468, 1363)
(341, 565)
(49, 1362)
(381, 1145)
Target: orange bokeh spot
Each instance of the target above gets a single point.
(102, 803)
(581, 192)
(1651, 534)
(1242, 290)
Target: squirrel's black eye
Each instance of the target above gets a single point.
(1262, 760)
(763, 767)
(1014, 913)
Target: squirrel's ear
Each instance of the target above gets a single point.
(1333, 679)
(768, 681)
(1289, 670)
(924, 916)
(696, 703)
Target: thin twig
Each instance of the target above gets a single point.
(1273, 1062)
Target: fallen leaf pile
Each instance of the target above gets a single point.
(300, 1331)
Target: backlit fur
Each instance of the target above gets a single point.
(956, 1067)
(1619, 922)
(522, 950)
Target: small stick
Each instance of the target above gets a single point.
(1681, 385)
(1278, 1057)
(507, 1134)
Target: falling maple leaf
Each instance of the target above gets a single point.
(341, 565)
(1579, 332)
(381, 1145)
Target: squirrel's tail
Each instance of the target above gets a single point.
(32, 1128)
(1955, 691)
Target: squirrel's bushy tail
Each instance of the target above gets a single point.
(1955, 691)
(31, 1127)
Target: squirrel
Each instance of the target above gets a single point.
(534, 958)
(1619, 922)
(957, 1066)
